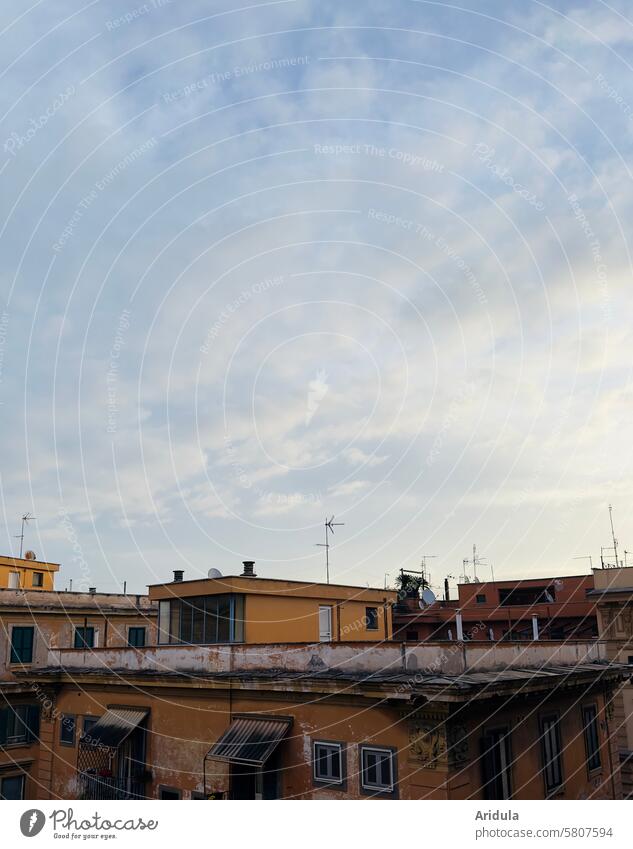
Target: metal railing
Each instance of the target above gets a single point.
(106, 787)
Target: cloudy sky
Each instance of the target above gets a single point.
(269, 262)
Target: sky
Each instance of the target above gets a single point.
(267, 263)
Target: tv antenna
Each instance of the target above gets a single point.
(615, 542)
(329, 525)
(26, 518)
(476, 561)
(426, 576)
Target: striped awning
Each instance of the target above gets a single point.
(115, 726)
(250, 739)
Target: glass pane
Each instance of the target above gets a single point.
(197, 626)
(371, 768)
(238, 618)
(174, 623)
(211, 620)
(13, 787)
(163, 622)
(385, 769)
(224, 613)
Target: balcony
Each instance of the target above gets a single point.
(92, 785)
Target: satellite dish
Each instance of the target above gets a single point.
(428, 597)
(214, 573)
(30, 555)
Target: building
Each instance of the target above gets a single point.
(554, 608)
(328, 721)
(247, 687)
(613, 596)
(27, 573)
(32, 623)
(249, 609)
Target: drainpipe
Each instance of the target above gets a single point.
(535, 627)
(459, 626)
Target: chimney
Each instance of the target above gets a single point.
(92, 590)
(178, 575)
(249, 569)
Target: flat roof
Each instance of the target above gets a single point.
(272, 586)
(24, 562)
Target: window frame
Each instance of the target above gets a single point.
(585, 728)
(378, 790)
(369, 627)
(40, 581)
(14, 716)
(137, 628)
(164, 788)
(554, 719)
(333, 783)
(63, 726)
(18, 775)
(92, 720)
(502, 733)
(12, 650)
(84, 628)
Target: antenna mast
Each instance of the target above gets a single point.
(329, 525)
(476, 561)
(615, 542)
(25, 518)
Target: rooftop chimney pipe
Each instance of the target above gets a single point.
(178, 575)
(249, 569)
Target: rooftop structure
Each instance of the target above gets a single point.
(27, 573)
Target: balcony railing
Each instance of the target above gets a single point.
(103, 787)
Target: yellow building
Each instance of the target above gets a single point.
(27, 573)
(247, 609)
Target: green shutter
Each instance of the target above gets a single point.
(33, 722)
(27, 650)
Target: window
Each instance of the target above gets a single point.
(371, 618)
(21, 644)
(522, 595)
(592, 739)
(136, 637)
(552, 754)
(67, 729)
(89, 722)
(14, 580)
(630, 660)
(377, 770)
(84, 638)
(12, 787)
(168, 793)
(496, 763)
(325, 624)
(327, 762)
(412, 636)
(201, 619)
(19, 724)
(480, 598)
(38, 579)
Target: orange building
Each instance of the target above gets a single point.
(27, 573)
(328, 721)
(248, 609)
